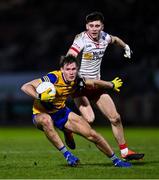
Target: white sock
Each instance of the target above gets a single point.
(124, 151)
(63, 149)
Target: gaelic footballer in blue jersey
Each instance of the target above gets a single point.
(50, 112)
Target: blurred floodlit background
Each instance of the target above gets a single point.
(34, 33)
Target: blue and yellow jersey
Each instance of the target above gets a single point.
(63, 90)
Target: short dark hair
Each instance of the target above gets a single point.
(95, 16)
(68, 60)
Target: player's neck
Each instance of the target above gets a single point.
(94, 39)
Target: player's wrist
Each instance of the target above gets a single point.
(126, 47)
(113, 85)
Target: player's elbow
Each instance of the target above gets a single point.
(115, 39)
(24, 87)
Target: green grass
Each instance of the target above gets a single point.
(25, 153)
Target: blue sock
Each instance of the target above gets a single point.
(114, 158)
(64, 151)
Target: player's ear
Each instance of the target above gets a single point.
(87, 27)
(61, 69)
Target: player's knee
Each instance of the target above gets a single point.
(45, 120)
(115, 120)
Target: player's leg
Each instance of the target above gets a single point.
(44, 122)
(85, 108)
(68, 135)
(86, 111)
(107, 107)
(78, 125)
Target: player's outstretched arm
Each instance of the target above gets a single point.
(114, 84)
(116, 40)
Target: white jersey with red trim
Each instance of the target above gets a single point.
(92, 53)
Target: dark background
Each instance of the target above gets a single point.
(34, 33)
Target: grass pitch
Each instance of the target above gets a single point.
(25, 153)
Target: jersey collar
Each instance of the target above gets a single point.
(96, 42)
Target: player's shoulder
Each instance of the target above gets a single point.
(52, 72)
(54, 76)
(55, 73)
(105, 36)
(80, 35)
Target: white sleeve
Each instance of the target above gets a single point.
(108, 38)
(78, 43)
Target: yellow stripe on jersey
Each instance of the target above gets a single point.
(63, 90)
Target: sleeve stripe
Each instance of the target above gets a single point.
(46, 79)
(49, 78)
(52, 78)
(74, 49)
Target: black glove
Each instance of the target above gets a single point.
(80, 84)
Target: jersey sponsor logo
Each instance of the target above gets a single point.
(88, 45)
(98, 54)
(87, 56)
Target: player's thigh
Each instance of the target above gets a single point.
(42, 119)
(77, 125)
(85, 108)
(107, 106)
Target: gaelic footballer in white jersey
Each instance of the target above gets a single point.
(92, 53)
(93, 44)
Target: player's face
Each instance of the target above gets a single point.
(70, 71)
(94, 28)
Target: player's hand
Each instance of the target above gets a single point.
(45, 96)
(128, 52)
(80, 83)
(117, 83)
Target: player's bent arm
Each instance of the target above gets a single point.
(29, 88)
(115, 84)
(116, 40)
(122, 44)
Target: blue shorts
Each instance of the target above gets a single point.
(59, 118)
